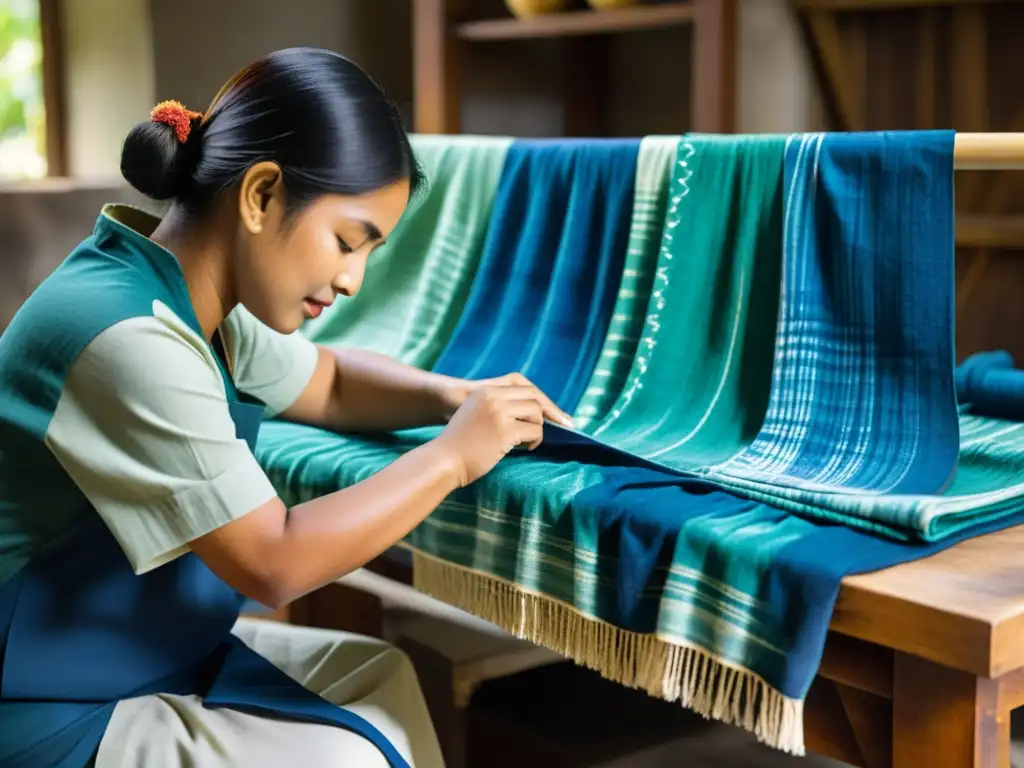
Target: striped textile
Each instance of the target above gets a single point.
(417, 283)
(862, 393)
(650, 200)
(552, 265)
(657, 544)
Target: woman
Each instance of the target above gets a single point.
(134, 519)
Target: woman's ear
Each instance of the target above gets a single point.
(261, 183)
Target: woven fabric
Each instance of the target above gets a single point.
(417, 283)
(552, 265)
(791, 354)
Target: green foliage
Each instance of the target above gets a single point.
(21, 74)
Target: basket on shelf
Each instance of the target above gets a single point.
(606, 5)
(527, 8)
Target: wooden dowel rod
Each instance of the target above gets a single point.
(988, 151)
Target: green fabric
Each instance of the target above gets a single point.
(705, 340)
(653, 175)
(988, 485)
(417, 283)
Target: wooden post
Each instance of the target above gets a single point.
(945, 718)
(714, 66)
(436, 104)
(52, 32)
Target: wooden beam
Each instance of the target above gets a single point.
(983, 230)
(925, 92)
(54, 92)
(578, 23)
(882, 5)
(437, 107)
(714, 58)
(837, 79)
(945, 718)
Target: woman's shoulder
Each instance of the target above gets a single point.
(97, 291)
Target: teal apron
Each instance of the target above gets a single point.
(79, 631)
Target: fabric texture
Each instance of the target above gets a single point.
(362, 674)
(551, 268)
(650, 200)
(272, 367)
(143, 429)
(81, 630)
(417, 283)
(788, 418)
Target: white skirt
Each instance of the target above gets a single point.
(362, 674)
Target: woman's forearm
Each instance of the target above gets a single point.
(356, 390)
(275, 556)
(330, 536)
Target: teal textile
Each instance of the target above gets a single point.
(792, 367)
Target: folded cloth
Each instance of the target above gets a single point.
(989, 385)
(552, 265)
(417, 283)
(740, 593)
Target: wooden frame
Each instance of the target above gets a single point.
(440, 36)
(840, 61)
(51, 27)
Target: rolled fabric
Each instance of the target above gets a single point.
(991, 385)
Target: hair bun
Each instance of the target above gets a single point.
(157, 158)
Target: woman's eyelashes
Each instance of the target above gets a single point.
(345, 247)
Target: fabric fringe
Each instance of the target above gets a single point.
(697, 679)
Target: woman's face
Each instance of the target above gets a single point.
(291, 271)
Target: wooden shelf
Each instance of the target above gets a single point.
(577, 23)
(978, 230)
(874, 5)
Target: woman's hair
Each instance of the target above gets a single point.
(329, 127)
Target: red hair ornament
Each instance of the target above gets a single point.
(176, 115)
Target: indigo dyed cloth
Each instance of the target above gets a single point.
(543, 296)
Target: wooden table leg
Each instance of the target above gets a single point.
(945, 718)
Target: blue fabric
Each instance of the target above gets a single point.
(862, 394)
(552, 263)
(82, 631)
(706, 549)
(990, 384)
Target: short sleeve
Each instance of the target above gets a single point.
(144, 429)
(273, 367)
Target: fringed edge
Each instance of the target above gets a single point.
(697, 679)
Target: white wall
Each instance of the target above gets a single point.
(109, 79)
(777, 91)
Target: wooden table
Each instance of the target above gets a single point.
(925, 661)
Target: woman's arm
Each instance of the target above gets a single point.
(275, 555)
(354, 390)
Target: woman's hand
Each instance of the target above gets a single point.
(493, 420)
(457, 391)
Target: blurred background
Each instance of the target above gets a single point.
(76, 75)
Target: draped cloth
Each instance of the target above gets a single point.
(417, 283)
(765, 396)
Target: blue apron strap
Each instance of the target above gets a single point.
(248, 682)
